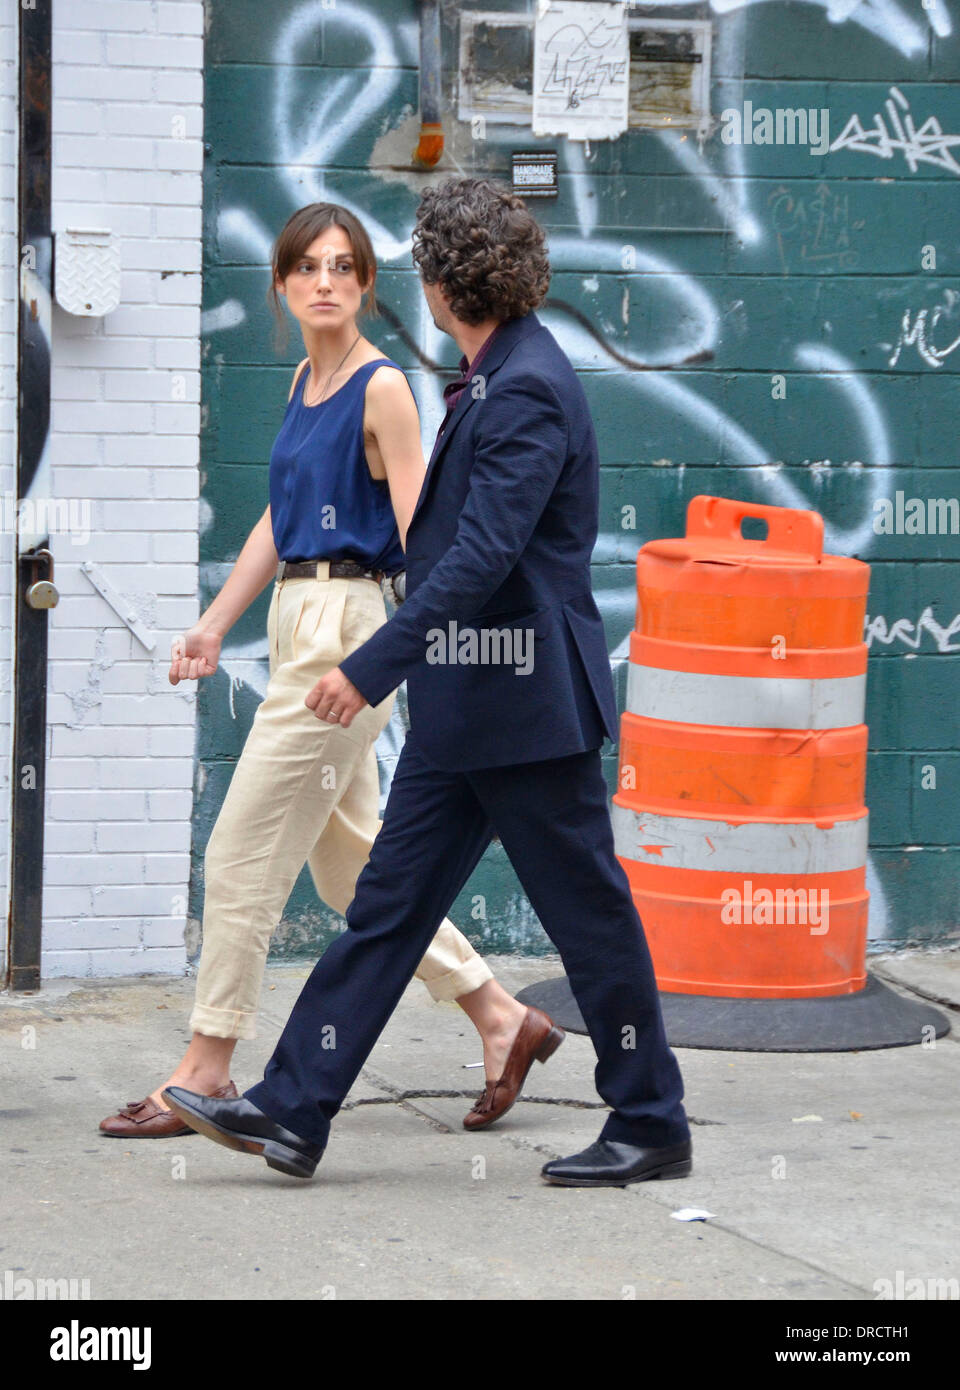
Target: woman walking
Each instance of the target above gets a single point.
(345, 472)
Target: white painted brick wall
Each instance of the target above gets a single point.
(125, 437)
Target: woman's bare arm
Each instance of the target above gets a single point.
(197, 652)
(255, 566)
(392, 433)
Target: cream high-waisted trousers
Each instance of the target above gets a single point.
(303, 791)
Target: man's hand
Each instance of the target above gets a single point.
(193, 654)
(335, 699)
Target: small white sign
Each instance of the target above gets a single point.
(581, 69)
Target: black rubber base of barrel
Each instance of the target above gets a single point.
(876, 1016)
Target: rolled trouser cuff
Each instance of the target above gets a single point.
(222, 1023)
(463, 980)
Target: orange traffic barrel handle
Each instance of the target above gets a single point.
(788, 529)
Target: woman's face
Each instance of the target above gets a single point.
(322, 288)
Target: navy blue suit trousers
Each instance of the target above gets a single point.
(553, 820)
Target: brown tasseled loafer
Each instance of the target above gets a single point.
(145, 1119)
(539, 1038)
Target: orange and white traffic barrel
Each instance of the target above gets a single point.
(739, 815)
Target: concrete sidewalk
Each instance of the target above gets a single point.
(824, 1172)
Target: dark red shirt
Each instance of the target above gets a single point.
(455, 389)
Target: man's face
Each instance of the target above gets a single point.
(438, 306)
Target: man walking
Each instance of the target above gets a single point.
(498, 550)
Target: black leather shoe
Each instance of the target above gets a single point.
(238, 1124)
(608, 1163)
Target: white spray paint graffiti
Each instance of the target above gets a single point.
(918, 334)
(728, 192)
(879, 17)
(928, 145)
(307, 146)
(911, 634)
(741, 448)
(695, 310)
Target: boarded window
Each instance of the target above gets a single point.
(496, 67)
(669, 73)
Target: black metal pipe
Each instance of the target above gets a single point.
(28, 777)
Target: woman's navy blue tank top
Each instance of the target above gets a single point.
(324, 503)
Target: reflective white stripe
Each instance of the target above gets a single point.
(746, 702)
(755, 847)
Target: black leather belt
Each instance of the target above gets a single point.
(339, 569)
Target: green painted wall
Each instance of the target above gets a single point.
(812, 269)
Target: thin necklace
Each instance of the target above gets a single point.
(337, 367)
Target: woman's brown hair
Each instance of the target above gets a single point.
(299, 233)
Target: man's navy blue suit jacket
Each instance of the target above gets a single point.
(501, 536)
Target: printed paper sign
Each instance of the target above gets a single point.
(581, 69)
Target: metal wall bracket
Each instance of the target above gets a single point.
(119, 604)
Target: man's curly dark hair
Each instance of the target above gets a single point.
(480, 244)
